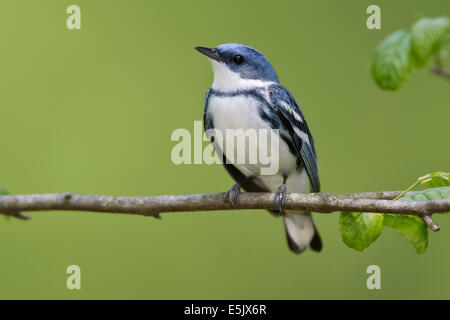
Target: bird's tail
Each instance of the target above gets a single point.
(301, 231)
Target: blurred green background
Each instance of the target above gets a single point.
(92, 111)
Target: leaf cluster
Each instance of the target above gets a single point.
(360, 230)
(399, 54)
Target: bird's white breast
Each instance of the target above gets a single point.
(242, 112)
(235, 112)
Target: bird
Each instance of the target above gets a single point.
(246, 94)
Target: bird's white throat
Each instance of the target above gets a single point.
(226, 80)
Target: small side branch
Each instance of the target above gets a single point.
(377, 202)
(430, 223)
(439, 68)
(441, 72)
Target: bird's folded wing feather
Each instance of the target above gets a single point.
(293, 121)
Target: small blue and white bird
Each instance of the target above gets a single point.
(246, 94)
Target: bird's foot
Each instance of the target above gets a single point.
(280, 197)
(233, 195)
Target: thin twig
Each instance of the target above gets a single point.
(430, 223)
(377, 202)
(441, 72)
(17, 214)
(439, 69)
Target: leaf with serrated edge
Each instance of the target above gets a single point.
(360, 230)
(426, 35)
(428, 194)
(436, 179)
(393, 61)
(412, 228)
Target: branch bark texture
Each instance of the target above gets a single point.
(377, 202)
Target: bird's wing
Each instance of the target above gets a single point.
(206, 121)
(293, 121)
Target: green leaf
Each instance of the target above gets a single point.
(3, 192)
(360, 230)
(428, 194)
(393, 61)
(412, 228)
(426, 35)
(436, 179)
(444, 50)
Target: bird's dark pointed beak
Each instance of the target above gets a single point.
(210, 53)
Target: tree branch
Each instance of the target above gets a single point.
(377, 202)
(441, 72)
(439, 68)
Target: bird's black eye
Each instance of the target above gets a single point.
(238, 59)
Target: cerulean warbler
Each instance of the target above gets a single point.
(246, 94)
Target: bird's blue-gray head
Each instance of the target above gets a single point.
(237, 66)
